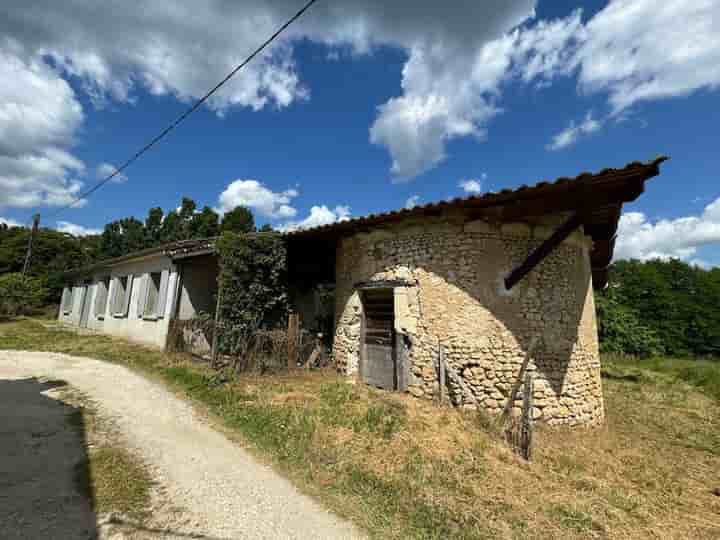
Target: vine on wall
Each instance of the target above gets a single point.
(253, 285)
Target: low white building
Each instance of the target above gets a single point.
(136, 296)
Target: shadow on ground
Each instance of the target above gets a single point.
(44, 470)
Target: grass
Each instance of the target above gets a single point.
(703, 374)
(405, 468)
(112, 478)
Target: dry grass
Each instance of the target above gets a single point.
(114, 479)
(404, 468)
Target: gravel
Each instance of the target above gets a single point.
(215, 488)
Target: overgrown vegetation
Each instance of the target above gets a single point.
(253, 285)
(405, 468)
(20, 295)
(660, 307)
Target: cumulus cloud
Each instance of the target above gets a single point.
(573, 132)
(10, 222)
(319, 215)
(471, 186)
(640, 50)
(639, 238)
(39, 117)
(412, 201)
(106, 169)
(451, 85)
(76, 230)
(259, 198)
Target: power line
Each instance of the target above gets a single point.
(187, 113)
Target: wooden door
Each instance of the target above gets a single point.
(378, 339)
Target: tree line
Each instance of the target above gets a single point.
(660, 307)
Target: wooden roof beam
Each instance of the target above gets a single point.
(544, 249)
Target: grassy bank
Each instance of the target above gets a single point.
(404, 468)
(112, 477)
(703, 374)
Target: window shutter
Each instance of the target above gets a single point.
(162, 294)
(63, 302)
(100, 298)
(142, 296)
(126, 299)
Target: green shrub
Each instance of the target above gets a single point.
(20, 295)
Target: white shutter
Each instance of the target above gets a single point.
(100, 298)
(65, 300)
(142, 296)
(114, 301)
(126, 299)
(162, 294)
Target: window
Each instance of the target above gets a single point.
(121, 295)
(101, 296)
(151, 303)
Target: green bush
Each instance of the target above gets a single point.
(253, 285)
(20, 295)
(620, 330)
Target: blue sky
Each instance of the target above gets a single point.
(353, 113)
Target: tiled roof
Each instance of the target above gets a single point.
(505, 196)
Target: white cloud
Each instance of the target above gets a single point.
(471, 186)
(573, 132)
(39, 116)
(76, 230)
(10, 222)
(412, 201)
(258, 197)
(106, 169)
(641, 50)
(457, 59)
(639, 238)
(319, 215)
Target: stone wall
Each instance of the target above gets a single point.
(455, 296)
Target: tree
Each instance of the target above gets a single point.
(205, 224)
(239, 220)
(172, 229)
(153, 226)
(267, 228)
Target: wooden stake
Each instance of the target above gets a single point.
(216, 328)
(441, 373)
(526, 435)
(292, 337)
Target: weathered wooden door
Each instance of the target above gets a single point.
(378, 339)
(85, 311)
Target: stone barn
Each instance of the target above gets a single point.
(501, 283)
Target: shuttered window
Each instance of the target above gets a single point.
(155, 294)
(66, 303)
(122, 289)
(101, 296)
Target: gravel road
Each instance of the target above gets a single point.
(219, 489)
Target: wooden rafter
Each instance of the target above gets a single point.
(543, 250)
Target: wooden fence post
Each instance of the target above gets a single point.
(216, 329)
(441, 373)
(292, 337)
(526, 435)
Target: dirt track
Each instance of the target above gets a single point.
(216, 489)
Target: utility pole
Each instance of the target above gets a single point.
(36, 223)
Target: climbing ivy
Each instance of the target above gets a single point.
(253, 283)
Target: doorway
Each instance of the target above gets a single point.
(378, 357)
